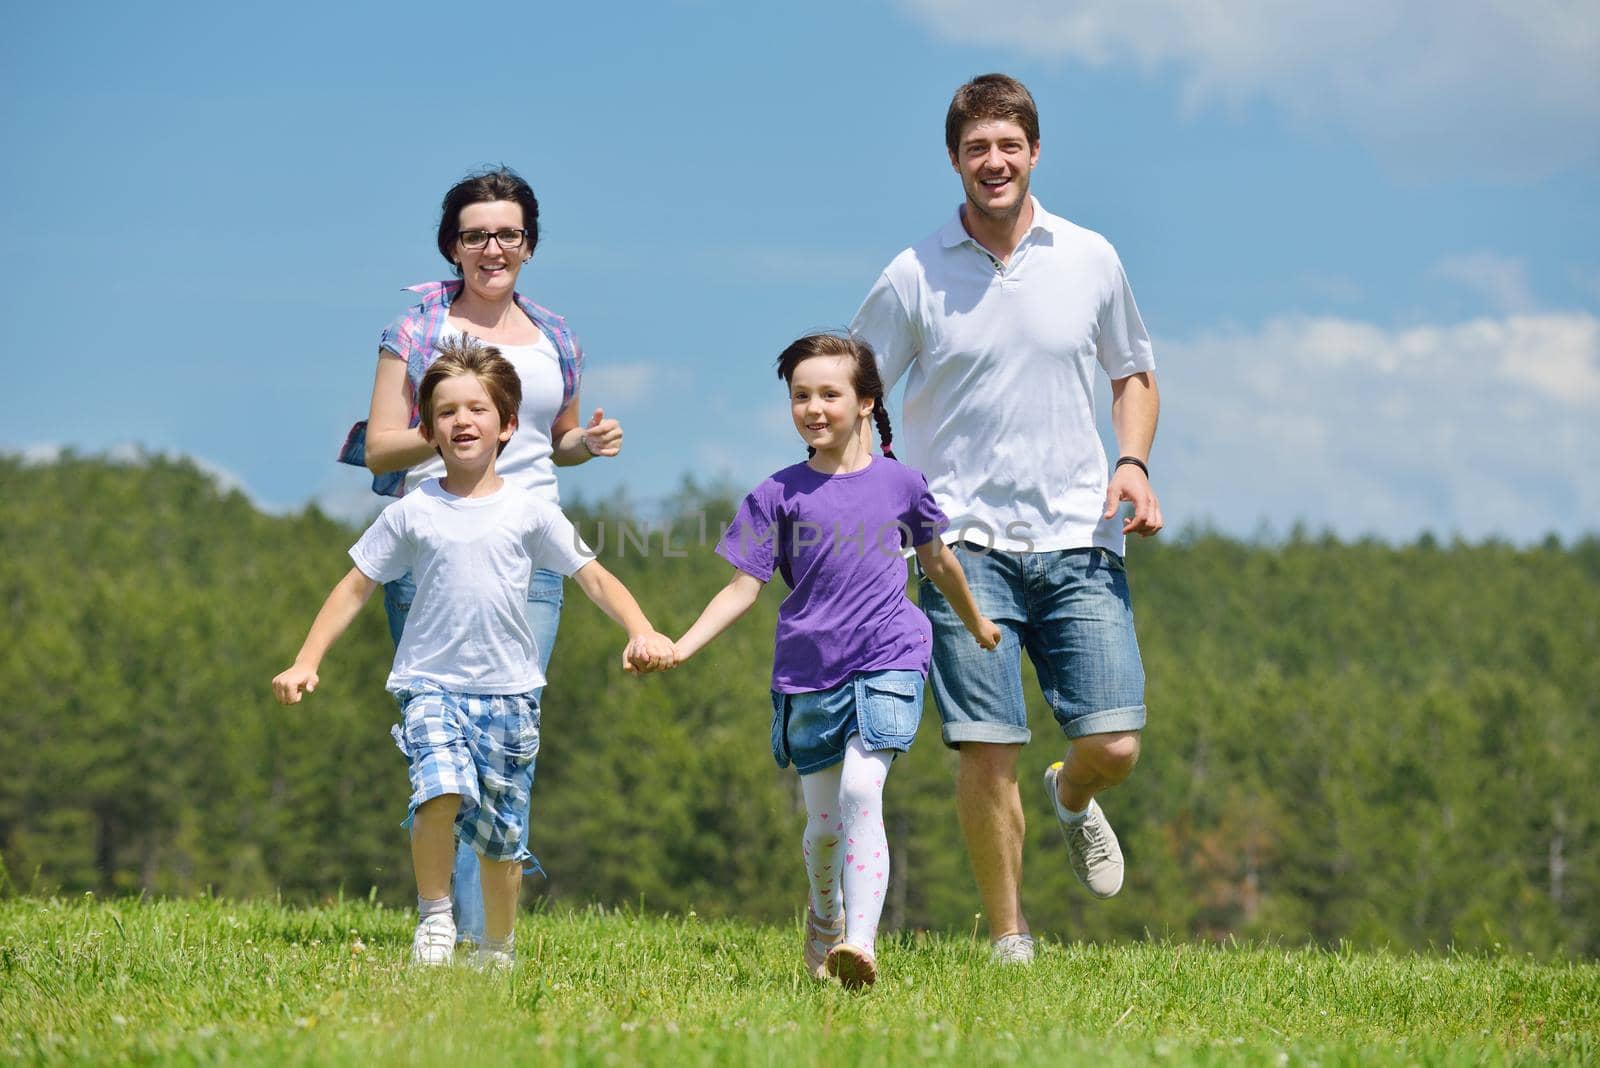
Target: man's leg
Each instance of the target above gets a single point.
(980, 701)
(1087, 656)
(990, 808)
(1094, 763)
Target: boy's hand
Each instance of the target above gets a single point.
(649, 652)
(288, 686)
(986, 633)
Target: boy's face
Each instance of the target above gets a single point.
(466, 427)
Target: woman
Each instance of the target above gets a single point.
(488, 228)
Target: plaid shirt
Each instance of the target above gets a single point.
(414, 338)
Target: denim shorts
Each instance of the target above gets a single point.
(812, 729)
(482, 747)
(1070, 610)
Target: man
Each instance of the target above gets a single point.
(1001, 317)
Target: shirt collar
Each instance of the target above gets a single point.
(437, 292)
(953, 233)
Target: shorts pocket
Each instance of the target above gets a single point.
(780, 729)
(889, 709)
(519, 739)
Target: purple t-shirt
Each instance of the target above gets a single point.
(838, 540)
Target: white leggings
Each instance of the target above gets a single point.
(846, 852)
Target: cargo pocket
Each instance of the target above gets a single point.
(889, 711)
(780, 729)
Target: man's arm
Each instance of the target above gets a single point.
(882, 322)
(1135, 408)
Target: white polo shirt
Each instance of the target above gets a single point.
(999, 403)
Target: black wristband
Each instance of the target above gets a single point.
(1135, 461)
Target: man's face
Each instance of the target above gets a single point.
(995, 161)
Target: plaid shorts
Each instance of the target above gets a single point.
(481, 746)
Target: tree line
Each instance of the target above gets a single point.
(1389, 745)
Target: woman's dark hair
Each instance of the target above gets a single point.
(864, 379)
(480, 187)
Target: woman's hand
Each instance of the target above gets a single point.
(602, 437)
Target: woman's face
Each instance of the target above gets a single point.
(490, 272)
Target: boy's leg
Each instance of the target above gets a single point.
(433, 826)
(433, 838)
(502, 883)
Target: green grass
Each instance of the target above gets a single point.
(208, 981)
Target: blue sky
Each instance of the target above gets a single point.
(1365, 236)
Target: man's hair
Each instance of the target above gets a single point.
(991, 96)
(864, 378)
(481, 187)
(465, 356)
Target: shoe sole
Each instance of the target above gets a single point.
(853, 968)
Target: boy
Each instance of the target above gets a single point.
(466, 664)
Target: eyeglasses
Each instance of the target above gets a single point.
(506, 239)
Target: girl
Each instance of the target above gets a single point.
(467, 670)
(852, 651)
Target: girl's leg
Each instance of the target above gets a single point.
(433, 842)
(823, 857)
(866, 848)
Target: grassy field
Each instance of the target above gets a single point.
(208, 981)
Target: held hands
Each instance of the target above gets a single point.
(289, 685)
(1128, 483)
(602, 437)
(649, 652)
(985, 633)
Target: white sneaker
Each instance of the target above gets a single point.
(1012, 949)
(1091, 844)
(434, 944)
(494, 960)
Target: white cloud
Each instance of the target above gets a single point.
(617, 384)
(1508, 87)
(1500, 281)
(1485, 427)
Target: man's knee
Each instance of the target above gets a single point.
(988, 762)
(1111, 755)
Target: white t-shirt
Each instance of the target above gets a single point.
(471, 558)
(999, 404)
(526, 462)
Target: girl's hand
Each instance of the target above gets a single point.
(986, 633)
(289, 685)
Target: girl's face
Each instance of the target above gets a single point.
(466, 427)
(490, 272)
(826, 410)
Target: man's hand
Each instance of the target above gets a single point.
(1128, 483)
(289, 685)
